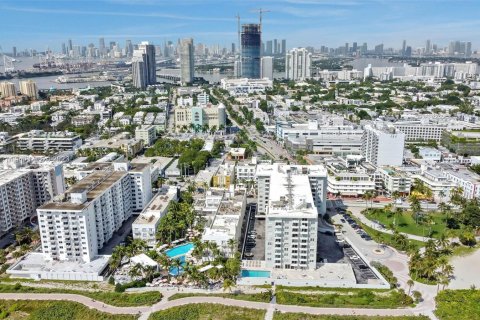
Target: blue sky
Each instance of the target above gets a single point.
(41, 23)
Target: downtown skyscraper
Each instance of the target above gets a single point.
(251, 41)
(186, 61)
(144, 70)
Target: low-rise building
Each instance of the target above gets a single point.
(82, 120)
(395, 180)
(122, 141)
(199, 116)
(245, 86)
(145, 225)
(224, 225)
(224, 177)
(7, 142)
(428, 153)
(39, 140)
(146, 133)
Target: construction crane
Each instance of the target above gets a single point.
(261, 12)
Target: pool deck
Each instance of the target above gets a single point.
(326, 275)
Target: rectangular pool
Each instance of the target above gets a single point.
(255, 274)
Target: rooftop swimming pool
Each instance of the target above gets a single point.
(180, 250)
(255, 274)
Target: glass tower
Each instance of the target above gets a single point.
(251, 50)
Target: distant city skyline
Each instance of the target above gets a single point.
(39, 25)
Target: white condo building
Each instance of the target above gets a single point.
(24, 187)
(78, 223)
(291, 198)
(86, 217)
(297, 64)
(383, 145)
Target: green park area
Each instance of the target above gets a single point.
(118, 299)
(432, 225)
(343, 298)
(208, 311)
(458, 304)
(50, 310)
(303, 316)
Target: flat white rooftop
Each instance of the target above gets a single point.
(34, 265)
(290, 192)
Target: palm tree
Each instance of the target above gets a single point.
(160, 182)
(456, 196)
(24, 236)
(368, 195)
(442, 241)
(441, 195)
(444, 281)
(116, 258)
(176, 263)
(135, 247)
(164, 261)
(228, 284)
(135, 271)
(410, 284)
(417, 295)
(415, 206)
(395, 196)
(232, 244)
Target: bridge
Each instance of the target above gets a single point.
(8, 65)
(168, 77)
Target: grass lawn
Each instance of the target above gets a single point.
(386, 238)
(359, 298)
(258, 297)
(53, 310)
(326, 289)
(462, 250)
(458, 305)
(207, 312)
(406, 223)
(303, 316)
(109, 297)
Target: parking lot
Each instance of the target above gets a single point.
(360, 238)
(255, 237)
(328, 249)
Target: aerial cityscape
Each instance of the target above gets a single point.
(213, 159)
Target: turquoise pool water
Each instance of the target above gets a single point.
(255, 274)
(180, 250)
(179, 254)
